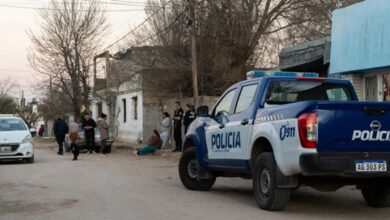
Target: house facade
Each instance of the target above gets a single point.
(138, 89)
(360, 48)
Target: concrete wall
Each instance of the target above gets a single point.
(94, 108)
(360, 37)
(131, 130)
(153, 110)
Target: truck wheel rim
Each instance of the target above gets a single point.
(191, 169)
(265, 181)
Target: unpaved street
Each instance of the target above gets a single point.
(121, 186)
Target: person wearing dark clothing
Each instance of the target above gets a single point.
(60, 129)
(177, 118)
(41, 131)
(89, 126)
(189, 117)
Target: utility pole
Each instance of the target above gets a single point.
(191, 7)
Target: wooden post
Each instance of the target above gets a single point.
(193, 52)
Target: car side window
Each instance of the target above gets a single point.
(247, 95)
(224, 105)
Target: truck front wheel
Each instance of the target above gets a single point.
(267, 195)
(188, 172)
(377, 196)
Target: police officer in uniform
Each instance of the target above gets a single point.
(189, 117)
(177, 118)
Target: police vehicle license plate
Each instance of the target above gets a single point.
(371, 166)
(5, 149)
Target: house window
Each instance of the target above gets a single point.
(99, 109)
(124, 109)
(134, 107)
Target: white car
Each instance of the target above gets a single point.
(15, 140)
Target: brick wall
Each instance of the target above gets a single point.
(357, 82)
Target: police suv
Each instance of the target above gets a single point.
(285, 130)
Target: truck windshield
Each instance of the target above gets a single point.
(12, 125)
(283, 92)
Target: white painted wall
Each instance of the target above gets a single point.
(131, 130)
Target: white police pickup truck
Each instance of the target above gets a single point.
(285, 130)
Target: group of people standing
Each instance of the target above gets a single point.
(160, 139)
(88, 125)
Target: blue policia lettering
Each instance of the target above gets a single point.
(286, 131)
(227, 140)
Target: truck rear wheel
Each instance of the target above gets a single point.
(188, 172)
(377, 196)
(267, 195)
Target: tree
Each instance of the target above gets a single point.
(50, 106)
(7, 103)
(317, 16)
(229, 33)
(70, 34)
(234, 35)
(29, 115)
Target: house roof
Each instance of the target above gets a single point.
(305, 53)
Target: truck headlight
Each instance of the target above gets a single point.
(27, 139)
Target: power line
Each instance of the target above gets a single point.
(170, 26)
(138, 26)
(43, 8)
(86, 2)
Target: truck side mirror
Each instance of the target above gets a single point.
(203, 111)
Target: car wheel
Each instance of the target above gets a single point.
(30, 160)
(188, 172)
(377, 196)
(268, 196)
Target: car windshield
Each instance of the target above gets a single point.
(12, 125)
(283, 92)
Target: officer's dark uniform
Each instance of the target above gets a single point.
(90, 134)
(177, 128)
(189, 117)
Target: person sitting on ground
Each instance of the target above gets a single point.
(154, 143)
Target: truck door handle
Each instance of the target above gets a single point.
(375, 111)
(221, 126)
(244, 121)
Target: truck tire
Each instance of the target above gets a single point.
(267, 195)
(377, 196)
(188, 173)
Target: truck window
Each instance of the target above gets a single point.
(246, 97)
(223, 107)
(283, 92)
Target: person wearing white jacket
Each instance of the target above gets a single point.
(165, 129)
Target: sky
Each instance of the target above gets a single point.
(16, 17)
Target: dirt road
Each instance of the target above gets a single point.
(120, 186)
